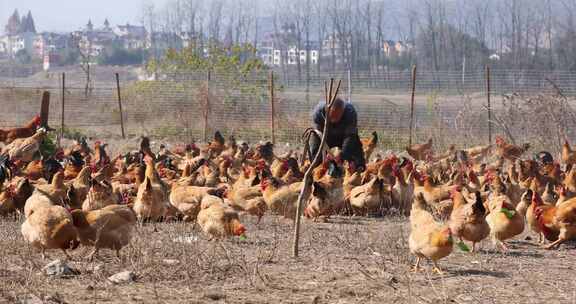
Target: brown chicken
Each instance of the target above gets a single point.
(110, 227)
(100, 158)
(218, 220)
(24, 149)
(149, 204)
(327, 194)
(505, 222)
(248, 199)
(531, 215)
(281, 199)
(50, 227)
(558, 224)
(568, 155)
(56, 191)
(99, 196)
(508, 151)
(368, 198)
(468, 220)
(428, 238)
(420, 151)
(369, 144)
(81, 185)
(34, 170)
(9, 135)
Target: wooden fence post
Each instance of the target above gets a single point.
(272, 112)
(45, 109)
(63, 107)
(207, 106)
(489, 104)
(120, 105)
(412, 104)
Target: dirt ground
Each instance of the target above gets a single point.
(349, 260)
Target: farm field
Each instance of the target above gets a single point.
(349, 260)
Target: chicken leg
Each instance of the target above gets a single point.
(416, 267)
(436, 268)
(554, 244)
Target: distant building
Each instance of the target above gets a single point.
(392, 48)
(20, 35)
(132, 37)
(277, 49)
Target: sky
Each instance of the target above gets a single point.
(69, 15)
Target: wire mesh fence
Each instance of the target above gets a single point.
(450, 107)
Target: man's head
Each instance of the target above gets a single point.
(337, 111)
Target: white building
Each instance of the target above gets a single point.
(12, 44)
(275, 57)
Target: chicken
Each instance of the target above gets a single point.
(99, 196)
(531, 215)
(420, 151)
(187, 199)
(248, 199)
(568, 155)
(7, 205)
(149, 204)
(549, 197)
(525, 202)
(9, 135)
(558, 224)
(508, 151)
(352, 179)
(403, 191)
(217, 220)
(101, 158)
(368, 198)
(81, 185)
(145, 149)
(428, 238)
(50, 227)
(74, 165)
(25, 149)
(468, 220)
(23, 191)
(505, 222)
(433, 193)
(478, 151)
(281, 199)
(34, 170)
(56, 191)
(217, 145)
(369, 144)
(327, 194)
(110, 227)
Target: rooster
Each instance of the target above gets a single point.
(9, 135)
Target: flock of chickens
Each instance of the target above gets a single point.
(79, 195)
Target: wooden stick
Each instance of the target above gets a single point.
(120, 105)
(489, 104)
(45, 109)
(272, 113)
(412, 104)
(307, 182)
(63, 107)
